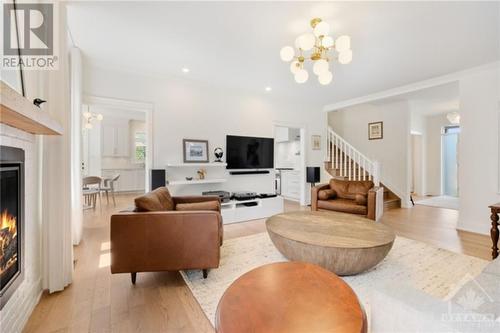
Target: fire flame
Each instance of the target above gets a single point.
(8, 221)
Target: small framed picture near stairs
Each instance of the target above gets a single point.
(376, 131)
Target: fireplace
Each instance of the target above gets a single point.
(11, 221)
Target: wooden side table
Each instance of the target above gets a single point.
(289, 297)
(495, 210)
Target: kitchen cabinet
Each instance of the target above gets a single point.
(131, 180)
(285, 134)
(115, 138)
(290, 184)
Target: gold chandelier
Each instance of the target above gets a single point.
(319, 43)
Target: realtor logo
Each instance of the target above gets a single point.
(28, 36)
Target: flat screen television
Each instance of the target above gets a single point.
(243, 152)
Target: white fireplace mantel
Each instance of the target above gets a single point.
(17, 111)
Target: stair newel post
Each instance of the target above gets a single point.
(376, 173)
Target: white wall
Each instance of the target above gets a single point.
(185, 108)
(392, 151)
(478, 149)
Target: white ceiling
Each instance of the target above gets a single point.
(237, 44)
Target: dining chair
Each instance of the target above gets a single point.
(92, 189)
(109, 186)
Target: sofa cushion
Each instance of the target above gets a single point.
(206, 205)
(347, 189)
(326, 194)
(157, 200)
(361, 199)
(343, 205)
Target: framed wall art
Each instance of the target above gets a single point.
(376, 131)
(195, 151)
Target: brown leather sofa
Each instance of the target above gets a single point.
(354, 197)
(165, 233)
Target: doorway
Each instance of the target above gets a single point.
(290, 160)
(450, 141)
(118, 143)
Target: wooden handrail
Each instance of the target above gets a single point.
(350, 162)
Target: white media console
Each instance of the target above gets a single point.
(236, 211)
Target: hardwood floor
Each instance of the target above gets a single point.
(161, 302)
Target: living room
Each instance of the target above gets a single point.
(249, 167)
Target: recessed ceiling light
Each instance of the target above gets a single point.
(268, 89)
(185, 70)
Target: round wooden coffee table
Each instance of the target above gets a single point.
(289, 297)
(346, 244)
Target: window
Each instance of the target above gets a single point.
(451, 129)
(140, 147)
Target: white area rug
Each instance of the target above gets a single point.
(441, 201)
(423, 266)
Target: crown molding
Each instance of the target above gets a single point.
(437, 81)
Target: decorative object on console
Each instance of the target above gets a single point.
(90, 117)
(376, 130)
(189, 178)
(201, 174)
(320, 44)
(195, 151)
(38, 101)
(224, 196)
(312, 175)
(218, 152)
(240, 196)
(316, 142)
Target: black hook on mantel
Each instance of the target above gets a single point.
(38, 101)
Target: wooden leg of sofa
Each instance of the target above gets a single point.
(205, 273)
(133, 276)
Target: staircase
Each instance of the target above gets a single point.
(346, 162)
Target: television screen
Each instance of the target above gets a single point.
(245, 152)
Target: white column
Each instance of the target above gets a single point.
(76, 175)
(56, 183)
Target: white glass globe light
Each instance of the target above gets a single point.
(322, 29)
(100, 117)
(453, 118)
(88, 126)
(294, 66)
(287, 53)
(343, 43)
(345, 57)
(306, 41)
(327, 41)
(87, 115)
(320, 66)
(301, 76)
(325, 78)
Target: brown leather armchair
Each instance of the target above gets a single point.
(354, 197)
(166, 233)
